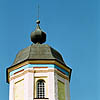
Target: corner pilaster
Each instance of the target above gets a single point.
(11, 90)
(28, 85)
(51, 86)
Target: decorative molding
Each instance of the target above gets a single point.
(25, 63)
(38, 62)
(61, 74)
(38, 71)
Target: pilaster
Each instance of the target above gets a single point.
(67, 90)
(29, 85)
(51, 86)
(11, 90)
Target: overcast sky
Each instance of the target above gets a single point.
(72, 28)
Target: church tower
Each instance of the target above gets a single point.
(39, 72)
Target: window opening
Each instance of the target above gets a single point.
(41, 89)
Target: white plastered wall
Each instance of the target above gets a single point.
(11, 90)
(67, 90)
(50, 82)
(12, 87)
(28, 85)
(56, 86)
(51, 85)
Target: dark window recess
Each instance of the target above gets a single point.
(41, 89)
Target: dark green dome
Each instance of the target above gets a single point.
(38, 36)
(38, 52)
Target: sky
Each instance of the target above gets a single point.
(72, 28)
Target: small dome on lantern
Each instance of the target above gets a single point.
(38, 36)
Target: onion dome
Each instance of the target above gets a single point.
(38, 36)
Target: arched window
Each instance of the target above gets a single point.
(40, 89)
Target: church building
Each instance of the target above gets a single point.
(39, 72)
